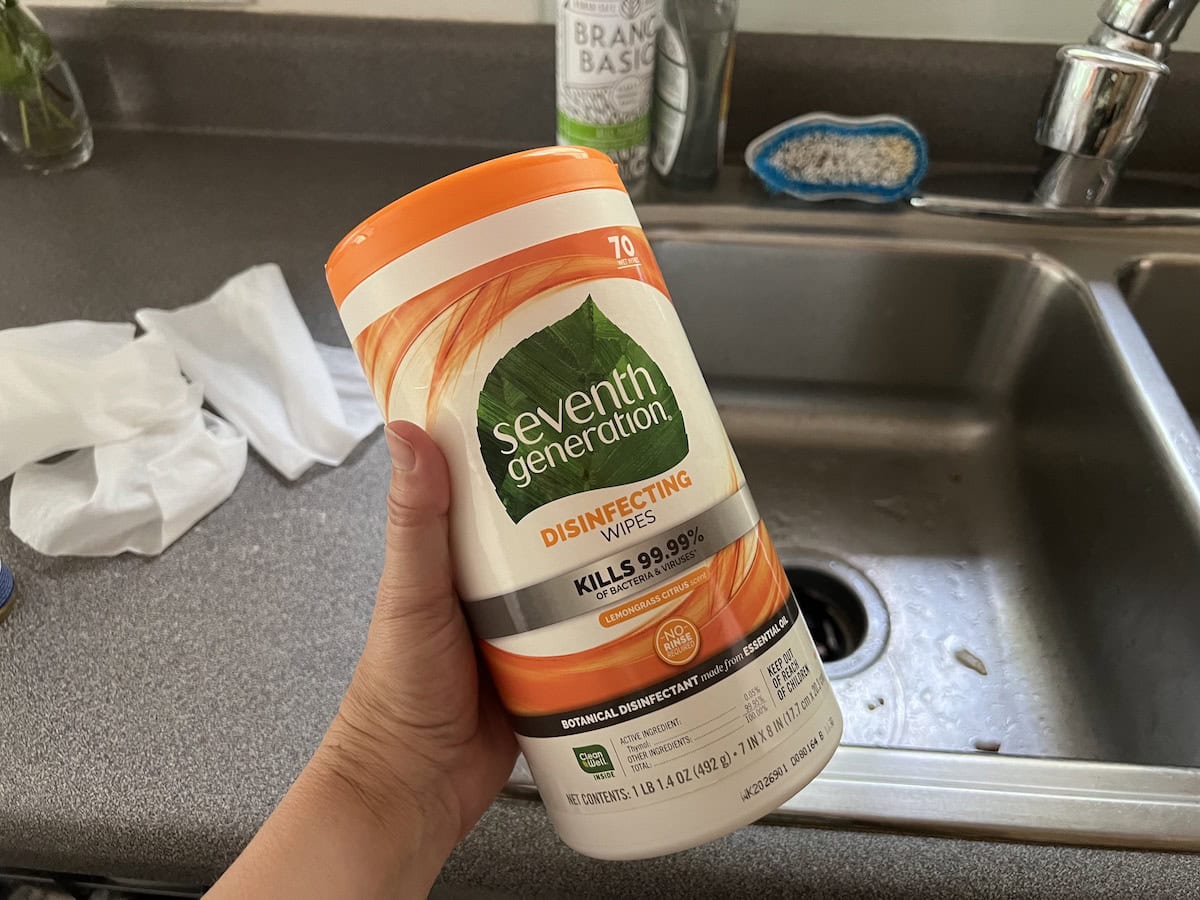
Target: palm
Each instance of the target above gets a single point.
(420, 664)
(459, 713)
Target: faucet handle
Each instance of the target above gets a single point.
(1099, 102)
(1152, 21)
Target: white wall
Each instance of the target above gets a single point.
(1054, 21)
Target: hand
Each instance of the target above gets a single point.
(420, 745)
(421, 719)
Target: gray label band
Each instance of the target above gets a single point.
(623, 575)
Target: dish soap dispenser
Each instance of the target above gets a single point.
(691, 87)
(605, 79)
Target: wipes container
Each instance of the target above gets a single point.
(626, 597)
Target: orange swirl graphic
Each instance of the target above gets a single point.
(467, 307)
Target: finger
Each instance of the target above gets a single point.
(416, 576)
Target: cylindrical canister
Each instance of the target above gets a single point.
(634, 615)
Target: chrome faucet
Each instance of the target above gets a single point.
(1099, 103)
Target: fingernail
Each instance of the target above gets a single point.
(401, 450)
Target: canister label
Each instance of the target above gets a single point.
(634, 615)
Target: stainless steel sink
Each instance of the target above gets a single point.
(955, 424)
(1164, 292)
(982, 447)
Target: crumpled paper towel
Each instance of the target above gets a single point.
(75, 384)
(138, 495)
(261, 370)
(148, 464)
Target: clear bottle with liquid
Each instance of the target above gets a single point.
(691, 89)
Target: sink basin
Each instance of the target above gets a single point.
(988, 498)
(954, 425)
(1164, 293)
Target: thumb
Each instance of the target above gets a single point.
(417, 580)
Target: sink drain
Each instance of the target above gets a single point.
(843, 611)
(835, 617)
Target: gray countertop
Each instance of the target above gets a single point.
(154, 710)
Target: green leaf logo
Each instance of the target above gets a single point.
(577, 406)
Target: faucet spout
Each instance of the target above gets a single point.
(1151, 21)
(1099, 104)
(1069, 180)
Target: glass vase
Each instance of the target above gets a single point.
(42, 117)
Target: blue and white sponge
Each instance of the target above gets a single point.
(879, 159)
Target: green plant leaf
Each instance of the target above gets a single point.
(18, 81)
(25, 50)
(626, 426)
(14, 70)
(35, 43)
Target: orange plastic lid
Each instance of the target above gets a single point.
(459, 199)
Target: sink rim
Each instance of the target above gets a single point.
(1076, 801)
(1143, 260)
(982, 795)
